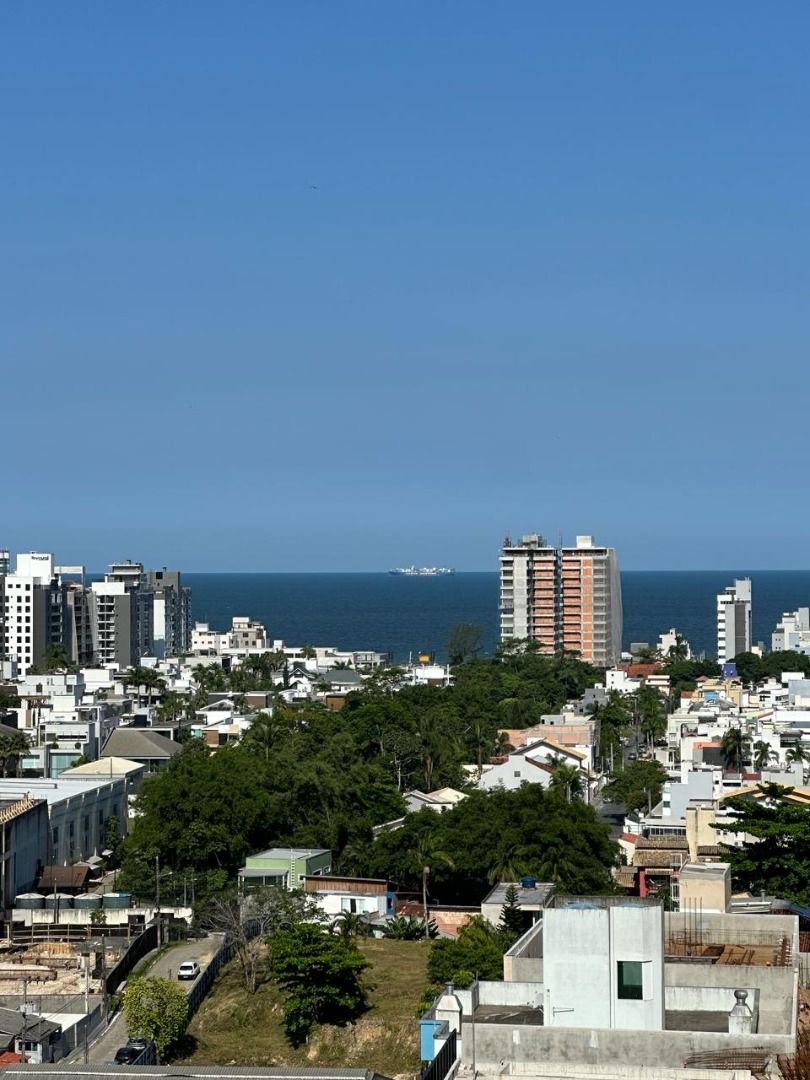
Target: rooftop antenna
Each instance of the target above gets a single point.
(560, 538)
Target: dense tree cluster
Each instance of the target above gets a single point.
(753, 669)
(308, 776)
(683, 674)
(497, 836)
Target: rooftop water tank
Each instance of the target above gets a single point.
(30, 901)
(528, 882)
(87, 901)
(58, 900)
(117, 900)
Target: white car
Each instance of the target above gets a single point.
(189, 969)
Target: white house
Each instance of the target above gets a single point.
(532, 764)
(372, 897)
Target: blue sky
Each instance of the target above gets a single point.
(301, 285)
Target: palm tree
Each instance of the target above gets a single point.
(565, 778)
(733, 746)
(508, 865)
(762, 754)
(171, 705)
(796, 754)
(264, 734)
(425, 855)
(350, 924)
(481, 742)
(146, 678)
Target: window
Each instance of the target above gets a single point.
(630, 986)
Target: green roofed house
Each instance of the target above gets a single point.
(284, 867)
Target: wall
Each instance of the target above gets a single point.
(25, 850)
(524, 961)
(335, 903)
(516, 770)
(711, 999)
(777, 988)
(500, 1045)
(86, 812)
(487, 992)
(584, 945)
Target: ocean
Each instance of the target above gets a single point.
(410, 615)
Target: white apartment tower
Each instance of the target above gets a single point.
(564, 598)
(33, 610)
(734, 620)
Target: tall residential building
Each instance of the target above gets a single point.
(734, 620)
(33, 610)
(139, 613)
(564, 598)
(171, 612)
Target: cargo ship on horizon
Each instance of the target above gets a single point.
(423, 571)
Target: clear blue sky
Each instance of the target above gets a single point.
(339, 285)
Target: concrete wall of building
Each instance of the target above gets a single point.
(524, 961)
(501, 1045)
(711, 999)
(777, 988)
(704, 889)
(25, 851)
(585, 945)
(77, 823)
(523, 969)
(526, 995)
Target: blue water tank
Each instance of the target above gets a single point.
(528, 882)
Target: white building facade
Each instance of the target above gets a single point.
(734, 620)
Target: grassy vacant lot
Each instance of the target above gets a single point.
(236, 1028)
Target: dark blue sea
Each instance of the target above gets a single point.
(404, 615)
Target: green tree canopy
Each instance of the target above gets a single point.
(464, 643)
(778, 861)
(478, 950)
(531, 829)
(155, 1009)
(637, 785)
(320, 974)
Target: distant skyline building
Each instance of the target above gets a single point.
(792, 633)
(734, 620)
(130, 614)
(565, 598)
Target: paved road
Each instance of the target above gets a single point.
(103, 1049)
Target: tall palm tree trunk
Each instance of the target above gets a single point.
(425, 873)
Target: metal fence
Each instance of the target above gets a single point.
(140, 946)
(444, 1061)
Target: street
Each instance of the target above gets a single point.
(165, 967)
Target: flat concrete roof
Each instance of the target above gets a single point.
(695, 1020)
(289, 853)
(536, 896)
(53, 791)
(508, 1014)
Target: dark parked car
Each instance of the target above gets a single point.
(129, 1054)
